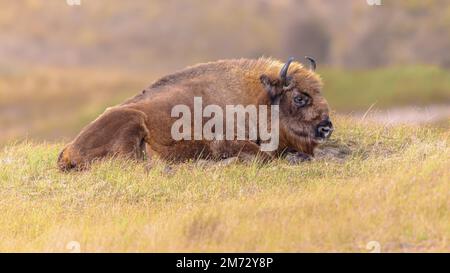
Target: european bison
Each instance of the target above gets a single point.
(146, 121)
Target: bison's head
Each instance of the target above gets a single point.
(304, 112)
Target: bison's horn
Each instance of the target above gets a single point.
(312, 63)
(284, 70)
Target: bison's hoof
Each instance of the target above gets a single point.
(297, 158)
(229, 161)
(168, 170)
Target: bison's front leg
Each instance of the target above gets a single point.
(242, 149)
(119, 131)
(298, 157)
(295, 157)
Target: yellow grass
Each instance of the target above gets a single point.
(393, 188)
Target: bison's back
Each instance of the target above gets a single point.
(225, 80)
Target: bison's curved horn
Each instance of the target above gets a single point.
(284, 70)
(312, 63)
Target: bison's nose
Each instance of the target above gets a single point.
(324, 129)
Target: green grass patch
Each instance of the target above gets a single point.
(389, 87)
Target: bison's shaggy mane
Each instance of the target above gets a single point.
(243, 66)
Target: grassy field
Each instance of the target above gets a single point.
(61, 66)
(371, 183)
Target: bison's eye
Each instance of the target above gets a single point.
(301, 101)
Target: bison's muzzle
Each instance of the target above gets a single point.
(324, 129)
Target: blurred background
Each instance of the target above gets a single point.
(61, 65)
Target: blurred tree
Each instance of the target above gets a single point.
(307, 37)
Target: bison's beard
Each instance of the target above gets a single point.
(301, 140)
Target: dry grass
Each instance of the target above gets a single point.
(393, 187)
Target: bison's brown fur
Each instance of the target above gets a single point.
(146, 118)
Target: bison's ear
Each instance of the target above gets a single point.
(272, 86)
